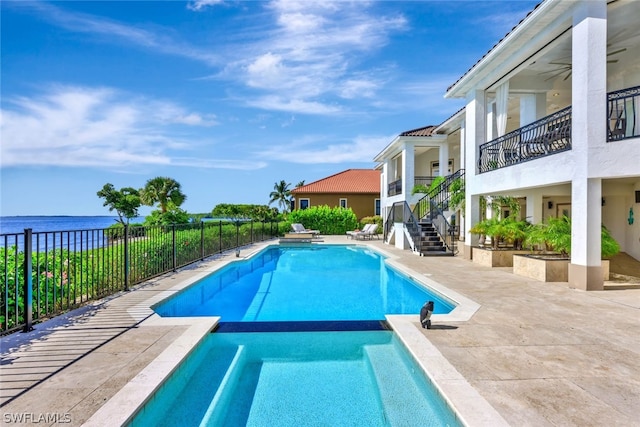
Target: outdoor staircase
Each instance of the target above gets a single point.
(430, 243)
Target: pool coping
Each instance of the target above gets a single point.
(467, 404)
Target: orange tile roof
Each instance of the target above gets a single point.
(349, 181)
(423, 131)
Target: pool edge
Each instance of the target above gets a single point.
(126, 403)
(465, 401)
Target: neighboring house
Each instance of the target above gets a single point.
(358, 189)
(552, 117)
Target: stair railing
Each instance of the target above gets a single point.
(401, 212)
(431, 208)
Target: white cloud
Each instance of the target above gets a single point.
(300, 106)
(113, 30)
(101, 127)
(302, 53)
(360, 149)
(198, 5)
(313, 54)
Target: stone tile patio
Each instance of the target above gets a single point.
(540, 353)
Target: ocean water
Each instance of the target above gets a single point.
(57, 231)
(17, 224)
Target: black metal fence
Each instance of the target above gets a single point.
(44, 274)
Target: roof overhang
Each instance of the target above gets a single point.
(396, 146)
(544, 24)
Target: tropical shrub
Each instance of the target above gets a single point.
(337, 220)
(506, 230)
(555, 236)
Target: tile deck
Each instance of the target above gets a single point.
(539, 353)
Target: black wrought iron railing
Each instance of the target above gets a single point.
(401, 213)
(43, 274)
(395, 188)
(442, 195)
(552, 134)
(544, 137)
(623, 114)
(433, 207)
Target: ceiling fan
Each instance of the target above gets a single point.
(565, 67)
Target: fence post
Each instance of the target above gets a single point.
(175, 249)
(28, 281)
(201, 240)
(126, 257)
(237, 234)
(220, 236)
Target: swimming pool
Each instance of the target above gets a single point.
(361, 378)
(317, 283)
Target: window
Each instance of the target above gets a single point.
(293, 204)
(343, 203)
(304, 203)
(376, 208)
(435, 168)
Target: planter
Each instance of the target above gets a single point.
(548, 268)
(495, 257)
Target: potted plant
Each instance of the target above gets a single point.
(553, 238)
(507, 231)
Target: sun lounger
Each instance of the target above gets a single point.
(372, 231)
(366, 227)
(299, 228)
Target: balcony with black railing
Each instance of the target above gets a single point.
(552, 134)
(544, 137)
(395, 188)
(623, 114)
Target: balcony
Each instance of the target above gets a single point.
(395, 187)
(552, 134)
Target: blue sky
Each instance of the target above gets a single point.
(226, 97)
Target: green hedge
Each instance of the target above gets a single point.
(325, 219)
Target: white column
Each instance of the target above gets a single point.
(443, 157)
(589, 109)
(491, 129)
(533, 106)
(463, 151)
(408, 170)
(474, 135)
(534, 207)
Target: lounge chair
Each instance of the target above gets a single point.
(366, 227)
(372, 231)
(299, 228)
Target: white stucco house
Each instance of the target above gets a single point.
(552, 116)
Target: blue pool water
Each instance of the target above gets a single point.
(361, 378)
(318, 283)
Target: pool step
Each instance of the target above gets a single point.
(320, 392)
(253, 312)
(218, 406)
(402, 399)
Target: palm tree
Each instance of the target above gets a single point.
(281, 194)
(164, 191)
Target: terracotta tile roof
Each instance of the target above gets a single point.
(349, 181)
(424, 131)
